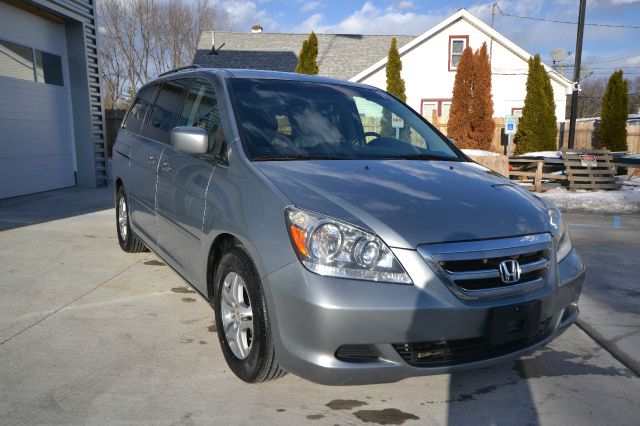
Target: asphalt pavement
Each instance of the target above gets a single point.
(91, 335)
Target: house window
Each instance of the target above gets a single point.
(517, 112)
(17, 61)
(440, 107)
(457, 44)
(445, 107)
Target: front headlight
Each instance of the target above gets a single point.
(333, 248)
(560, 233)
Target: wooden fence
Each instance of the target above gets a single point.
(586, 134)
(112, 118)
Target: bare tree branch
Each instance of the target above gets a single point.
(140, 39)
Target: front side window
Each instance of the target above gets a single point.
(165, 109)
(330, 121)
(135, 116)
(457, 44)
(25, 63)
(201, 110)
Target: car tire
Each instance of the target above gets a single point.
(246, 343)
(128, 240)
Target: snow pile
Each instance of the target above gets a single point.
(544, 154)
(479, 153)
(627, 200)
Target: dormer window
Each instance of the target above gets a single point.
(457, 44)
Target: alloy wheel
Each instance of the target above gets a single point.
(123, 226)
(237, 315)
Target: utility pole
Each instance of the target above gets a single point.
(493, 17)
(576, 75)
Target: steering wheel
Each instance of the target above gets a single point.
(357, 139)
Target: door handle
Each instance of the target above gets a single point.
(166, 166)
(152, 160)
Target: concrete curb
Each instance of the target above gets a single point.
(611, 347)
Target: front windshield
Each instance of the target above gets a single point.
(293, 120)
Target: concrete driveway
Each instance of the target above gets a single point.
(91, 335)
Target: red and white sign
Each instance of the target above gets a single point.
(588, 161)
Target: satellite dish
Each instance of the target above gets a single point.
(558, 54)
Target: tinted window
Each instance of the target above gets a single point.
(136, 114)
(16, 61)
(164, 110)
(201, 110)
(283, 119)
(49, 68)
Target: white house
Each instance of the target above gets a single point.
(429, 68)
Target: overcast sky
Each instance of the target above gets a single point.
(604, 48)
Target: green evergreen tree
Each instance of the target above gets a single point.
(538, 129)
(313, 54)
(395, 86)
(395, 83)
(615, 105)
(308, 58)
(303, 59)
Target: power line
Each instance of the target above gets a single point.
(601, 68)
(503, 13)
(617, 58)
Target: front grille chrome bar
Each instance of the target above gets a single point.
(494, 273)
(479, 283)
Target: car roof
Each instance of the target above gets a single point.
(255, 74)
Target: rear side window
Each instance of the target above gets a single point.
(164, 110)
(135, 117)
(201, 110)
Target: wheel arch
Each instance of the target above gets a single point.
(219, 245)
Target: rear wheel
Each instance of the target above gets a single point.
(128, 240)
(241, 314)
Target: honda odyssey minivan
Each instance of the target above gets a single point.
(336, 233)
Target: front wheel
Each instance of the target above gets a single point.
(241, 314)
(128, 240)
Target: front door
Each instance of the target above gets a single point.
(183, 180)
(145, 153)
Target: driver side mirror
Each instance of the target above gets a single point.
(192, 140)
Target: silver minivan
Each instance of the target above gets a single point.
(336, 233)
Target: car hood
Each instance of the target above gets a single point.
(408, 202)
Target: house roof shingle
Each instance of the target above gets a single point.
(340, 56)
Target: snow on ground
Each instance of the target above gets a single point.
(545, 154)
(626, 200)
(480, 153)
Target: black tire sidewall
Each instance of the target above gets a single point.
(237, 260)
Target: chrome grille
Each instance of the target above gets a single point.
(472, 268)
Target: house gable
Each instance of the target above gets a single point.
(453, 20)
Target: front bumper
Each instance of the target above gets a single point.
(312, 316)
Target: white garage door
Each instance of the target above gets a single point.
(36, 135)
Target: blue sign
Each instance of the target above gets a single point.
(510, 124)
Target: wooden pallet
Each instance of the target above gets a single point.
(601, 176)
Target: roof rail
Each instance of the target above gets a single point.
(188, 67)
